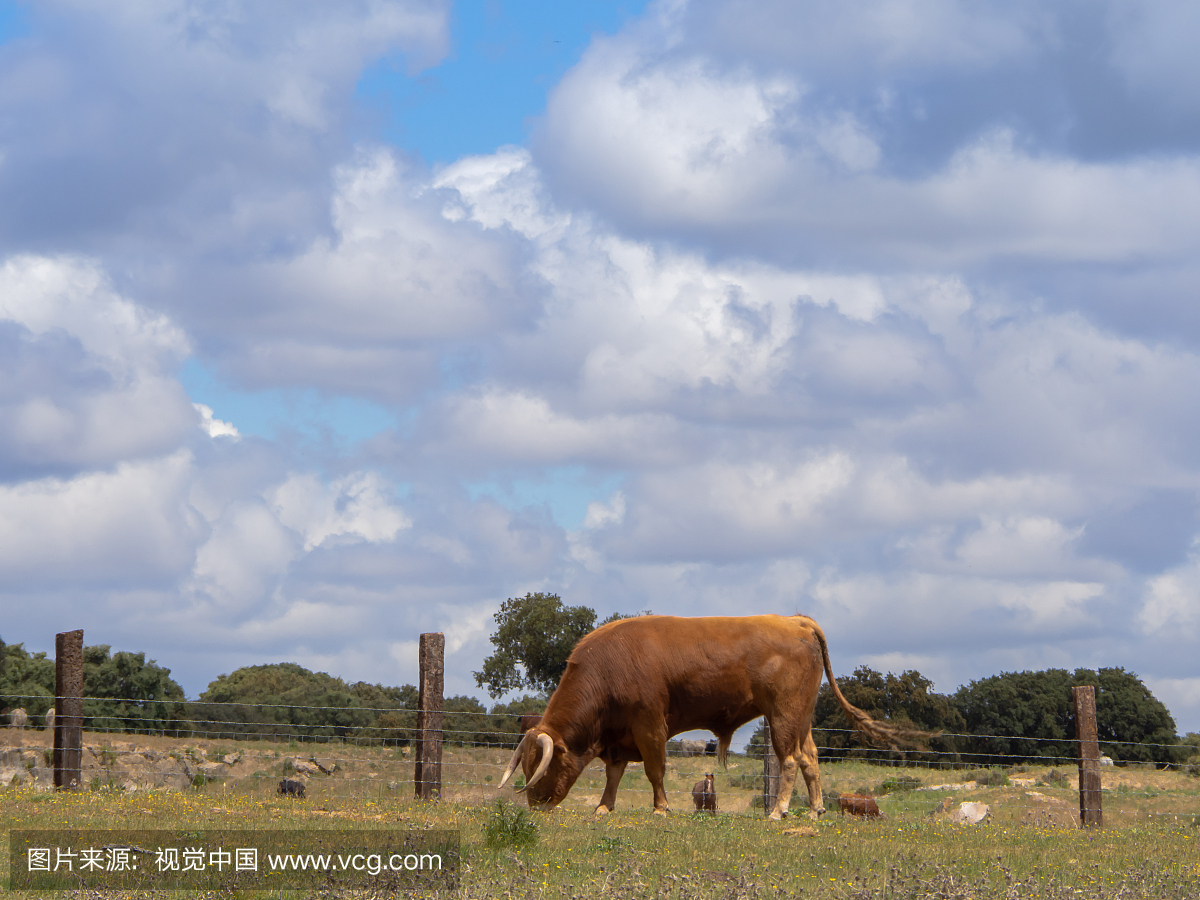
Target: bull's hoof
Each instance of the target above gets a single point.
(815, 814)
(775, 815)
(660, 812)
(602, 810)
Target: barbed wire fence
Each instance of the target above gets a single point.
(365, 753)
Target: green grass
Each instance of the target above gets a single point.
(636, 854)
(1150, 847)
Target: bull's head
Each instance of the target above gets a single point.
(550, 767)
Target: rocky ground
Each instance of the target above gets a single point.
(133, 766)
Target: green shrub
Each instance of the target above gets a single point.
(1054, 778)
(992, 778)
(898, 783)
(745, 782)
(510, 826)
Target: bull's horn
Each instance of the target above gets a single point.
(547, 744)
(512, 763)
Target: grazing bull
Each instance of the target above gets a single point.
(526, 722)
(691, 748)
(710, 748)
(18, 719)
(632, 684)
(704, 794)
(859, 805)
(289, 787)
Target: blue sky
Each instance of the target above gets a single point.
(879, 313)
(503, 60)
(12, 21)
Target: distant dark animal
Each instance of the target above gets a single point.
(289, 787)
(710, 748)
(859, 805)
(691, 748)
(704, 794)
(632, 684)
(526, 722)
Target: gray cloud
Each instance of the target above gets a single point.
(209, 124)
(837, 314)
(1012, 135)
(86, 374)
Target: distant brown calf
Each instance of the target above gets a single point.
(859, 805)
(526, 722)
(289, 787)
(704, 794)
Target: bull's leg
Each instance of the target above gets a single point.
(656, 771)
(653, 750)
(787, 748)
(787, 781)
(612, 777)
(812, 777)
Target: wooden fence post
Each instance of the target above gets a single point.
(68, 709)
(427, 776)
(770, 771)
(1090, 812)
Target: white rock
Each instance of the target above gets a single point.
(970, 813)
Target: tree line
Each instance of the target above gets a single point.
(127, 693)
(1014, 716)
(1004, 719)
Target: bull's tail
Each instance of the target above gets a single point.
(876, 732)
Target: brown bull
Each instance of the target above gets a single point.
(632, 684)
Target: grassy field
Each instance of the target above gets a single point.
(1028, 847)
